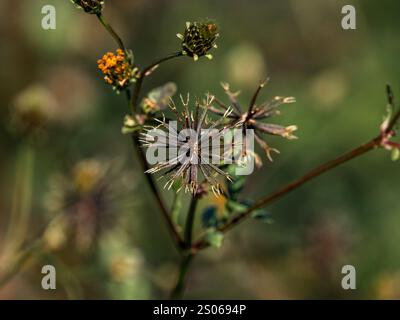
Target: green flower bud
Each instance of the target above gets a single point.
(90, 6)
(198, 39)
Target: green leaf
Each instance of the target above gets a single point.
(234, 206)
(214, 237)
(263, 216)
(209, 217)
(130, 125)
(395, 154)
(236, 186)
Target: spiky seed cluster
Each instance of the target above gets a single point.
(118, 70)
(198, 39)
(251, 119)
(184, 170)
(90, 6)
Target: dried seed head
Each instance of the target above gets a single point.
(118, 69)
(198, 39)
(90, 6)
(194, 158)
(254, 116)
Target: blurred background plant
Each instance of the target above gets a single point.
(55, 113)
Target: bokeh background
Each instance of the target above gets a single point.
(107, 239)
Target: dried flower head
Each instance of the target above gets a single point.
(195, 156)
(251, 119)
(90, 6)
(86, 198)
(198, 39)
(118, 69)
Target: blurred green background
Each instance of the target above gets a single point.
(119, 246)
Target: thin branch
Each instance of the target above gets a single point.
(111, 31)
(134, 105)
(179, 288)
(20, 261)
(190, 221)
(139, 81)
(171, 226)
(201, 244)
(156, 63)
(373, 144)
(133, 100)
(36, 245)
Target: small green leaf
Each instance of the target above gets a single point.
(235, 206)
(209, 217)
(130, 125)
(214, 238)
(236, 186)
(263, 216)
(395, 154)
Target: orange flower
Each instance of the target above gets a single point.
(117, 69)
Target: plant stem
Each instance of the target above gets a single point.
(164, 211)
(156, 63)
(274, 196)
(20, 260)
(135, 138)
(34, 246)
(179, 288)
(112, 32)
(190, 221)
(142, 158)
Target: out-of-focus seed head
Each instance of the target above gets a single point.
(84, 199)
(198, 39)
(118, 69)
(90, 6)
(32, 111)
